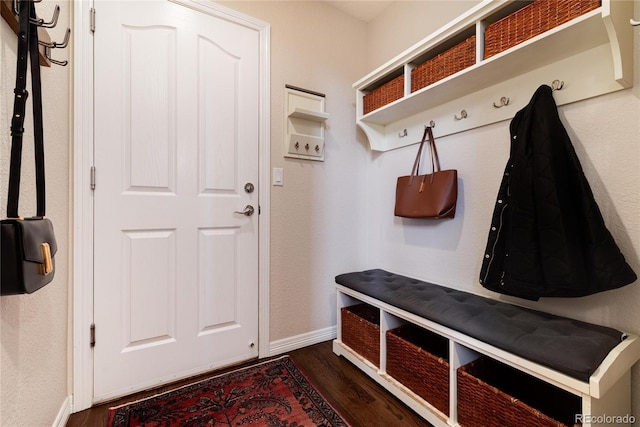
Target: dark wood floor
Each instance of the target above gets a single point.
(359, 399)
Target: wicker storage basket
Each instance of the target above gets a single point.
(491, 394)
(531, 20)
(361, 331)
(459, 57)
(383, 95)
(419, 360)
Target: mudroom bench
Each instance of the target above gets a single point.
(460, 359)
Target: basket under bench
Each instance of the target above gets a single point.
(559, 358)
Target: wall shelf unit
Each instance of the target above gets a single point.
(592, 54)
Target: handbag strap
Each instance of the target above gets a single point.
(27, 47)
(416, 162)
(435, 161)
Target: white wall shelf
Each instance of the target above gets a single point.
(314, 116)
(592, 55)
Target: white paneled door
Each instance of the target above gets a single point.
(176, 195)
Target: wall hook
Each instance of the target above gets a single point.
(54, 45)
(431, 124)
(16, 6)
(402, 134)
(463, 115)
(503, 102)
(557, 85)
(54, 19)
(634, 22)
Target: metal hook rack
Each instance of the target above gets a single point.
(10, 13)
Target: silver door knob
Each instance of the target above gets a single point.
(248, 211)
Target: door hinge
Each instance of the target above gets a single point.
(92, 20)
(92, 335)
(92, 177)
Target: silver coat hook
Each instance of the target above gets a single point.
(557, 85)
(39, 22)
(50, 24)
(402, 134)
(431, 124)
(463, 115)
(54, 45)
(503, 102)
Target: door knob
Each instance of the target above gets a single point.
(248, 211)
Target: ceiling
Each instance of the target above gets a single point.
(364, 10)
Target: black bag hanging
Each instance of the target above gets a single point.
(27, 245)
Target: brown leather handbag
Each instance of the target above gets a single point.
(433, 195)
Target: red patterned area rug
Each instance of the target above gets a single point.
(270, 394)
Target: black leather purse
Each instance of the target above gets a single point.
(27, 245)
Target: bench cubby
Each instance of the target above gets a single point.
(419, 360)
(598, 389)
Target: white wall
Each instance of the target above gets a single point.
(34, 373)
(606, 135)
(318, 217)
(405, 23)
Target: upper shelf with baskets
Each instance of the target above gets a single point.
(484, 66)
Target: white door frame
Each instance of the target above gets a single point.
(82, 252)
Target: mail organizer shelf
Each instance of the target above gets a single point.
(419, 360)
(499, 48)
(491, 394)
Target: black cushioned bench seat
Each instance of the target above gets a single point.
(569, 346)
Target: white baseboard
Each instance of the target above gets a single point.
(293, 343)
(63, 414)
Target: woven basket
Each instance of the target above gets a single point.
(361, 331)
(383, 95)
(419, 360)
(491, 394)
(531, 20)
(459, 57)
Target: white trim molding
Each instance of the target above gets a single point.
(82, 251)
(83, 111)
(303, 340)
(63, 414)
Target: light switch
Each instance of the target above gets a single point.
(278, 177)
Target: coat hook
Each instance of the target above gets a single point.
(402, 134)
(16, 6)
(54, 19)
(557, 85)
(54, 45)
(503, 102)
(463, 115)
(431, 124)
